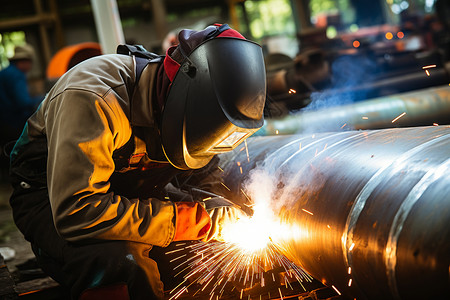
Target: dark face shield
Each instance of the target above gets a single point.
(215, 102)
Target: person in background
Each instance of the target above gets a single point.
(16, 104)
(15, 100)
(103, 169)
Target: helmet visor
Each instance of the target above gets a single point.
(215, 102)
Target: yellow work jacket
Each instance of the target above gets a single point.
(94, 112)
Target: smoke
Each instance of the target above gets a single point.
(350, 76)
(351, 82)
(261, 186)
(279, 180)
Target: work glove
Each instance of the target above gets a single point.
(192, 221)
(177, 195)
(221, 211)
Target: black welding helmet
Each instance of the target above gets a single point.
(215, 101)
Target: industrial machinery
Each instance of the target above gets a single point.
(416, 108)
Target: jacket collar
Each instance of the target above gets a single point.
(144, 106)
(145, 111)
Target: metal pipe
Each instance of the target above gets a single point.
(371, 209)
(422, 108)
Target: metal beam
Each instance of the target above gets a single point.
(423, 107)
(107, 22)
(159, 18)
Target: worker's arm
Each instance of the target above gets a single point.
(83, 131)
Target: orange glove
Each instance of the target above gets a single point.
(221, 211)
(192, 221)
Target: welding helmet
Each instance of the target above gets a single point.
(215, 101)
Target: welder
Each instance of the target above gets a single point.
(92, 169)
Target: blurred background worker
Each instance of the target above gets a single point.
(16, 104)
(91, 167)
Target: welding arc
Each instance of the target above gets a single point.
(379, 203)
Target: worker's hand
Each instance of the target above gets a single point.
(192, 221)
(221, 211)
(177, 195)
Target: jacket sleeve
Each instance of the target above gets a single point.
(83, 130)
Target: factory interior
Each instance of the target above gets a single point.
(353, 156)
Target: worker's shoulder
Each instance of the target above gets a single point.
(97, 75)
(107, 65)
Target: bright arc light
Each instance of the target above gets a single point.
(253, 233)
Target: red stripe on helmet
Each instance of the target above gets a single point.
(231, 33)
(170, 66)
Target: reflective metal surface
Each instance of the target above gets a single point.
(422, 108)
(371, 209)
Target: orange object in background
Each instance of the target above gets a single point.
(69, 56)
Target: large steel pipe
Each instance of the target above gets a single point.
(421, 108)
(371, 209)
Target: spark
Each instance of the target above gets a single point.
(350, 282)
(225, 186)
(401, 115)
(245, 195)
(279, 290)
(276, 131)
(238, 163)
(351, 247)
(349, 270)
(300, 146)
(246, 150)
(220, 169)
(343, 125)
(435, 124)
(329, 227)
(337, 291)
(178, 257)
(365, 118)
(173, 251)
(307, 211)
(428, 72)
(429, 67)
(224, 263)
(251, 245)
(292, 91)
